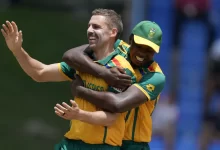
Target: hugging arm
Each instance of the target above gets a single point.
(79, 58)
(112, 102)
(147, 89)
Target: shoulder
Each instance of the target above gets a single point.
(154, 67)
(120, 61)
(154, 74)
(122, 47)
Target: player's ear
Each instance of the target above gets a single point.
(114, 32)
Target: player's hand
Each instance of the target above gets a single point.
(117, 77)
(67, 112)
(75, 84)
(13, 38)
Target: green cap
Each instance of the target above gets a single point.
(148, 33)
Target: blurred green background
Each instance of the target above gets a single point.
(28, 120)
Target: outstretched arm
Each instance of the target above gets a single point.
(35, 69)
(78, 58)
(98, 117)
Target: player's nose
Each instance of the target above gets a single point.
(90, 30)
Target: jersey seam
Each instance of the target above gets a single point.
(63, 74)
(140, 88)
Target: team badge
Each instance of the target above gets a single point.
(151, 33)
(150, 87)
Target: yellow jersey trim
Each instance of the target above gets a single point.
(143, 41)
(140, 88)
(124, 63)
(154, 67)
(63, 74)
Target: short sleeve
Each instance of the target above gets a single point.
(151, 84)
(66, 71)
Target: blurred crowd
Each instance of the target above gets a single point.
(166, 116)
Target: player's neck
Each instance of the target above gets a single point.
(104, 51)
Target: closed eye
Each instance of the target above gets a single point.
(94, 26)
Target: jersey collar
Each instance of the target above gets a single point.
(117, 43)
(105, 60)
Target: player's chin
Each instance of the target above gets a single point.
(92, 45)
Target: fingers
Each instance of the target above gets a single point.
(125, 77)
(69, 108)
(120, 69)
(15, 27)
(60, 115)
(74, 104)
(66, 111)
(61, 112)
(10, 27)
(4, 33)
(58, 111)
(61, 108)
(5, 29)
(20, 36)
(125, 82)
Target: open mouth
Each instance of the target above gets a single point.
(92, 38)
(139, 58)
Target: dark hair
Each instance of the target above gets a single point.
(114, 19)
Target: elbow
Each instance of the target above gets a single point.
(66, 56)
(38, 79)
(69, 58)
(115, 105)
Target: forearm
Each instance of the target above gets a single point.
(98, 117)
(116, 103)
(31, 66)
(104, 100)
(78, 59)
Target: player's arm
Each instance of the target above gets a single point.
(147, 89)
(79, 59)
(35, 69)
(98, 117)
(102, 118)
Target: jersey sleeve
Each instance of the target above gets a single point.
(66, 71)
(151, 84)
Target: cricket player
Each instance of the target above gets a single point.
(140, 98)
(103, 30)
